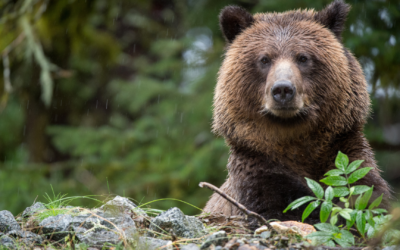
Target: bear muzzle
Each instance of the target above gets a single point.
(283, 92)
(284, 95)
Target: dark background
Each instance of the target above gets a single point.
(115, 97)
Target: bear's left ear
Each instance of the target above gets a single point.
(233, 20)
(333, 17)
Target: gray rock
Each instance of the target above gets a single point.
(265, 234)
(392, 248)
(147, 243)
(93, 229)
(7, 242)
(190, 246)
(174, 221)
(96, 230)
(122, 204)
(56, 227)
(38, 206)
(28, 238)
(219, 238)
(8, 222)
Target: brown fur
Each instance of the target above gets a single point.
(272, 153)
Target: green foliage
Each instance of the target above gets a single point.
(367, 221)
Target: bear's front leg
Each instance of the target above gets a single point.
(218, 204)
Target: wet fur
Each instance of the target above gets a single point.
(270, 156)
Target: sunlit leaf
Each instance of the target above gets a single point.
(315, 187)
(334, 181)
(334, 172)
(353, 166)
(340, 191)
(329, 193)
(359, 189)
(341, 161)
(358, 174)
(297, 203)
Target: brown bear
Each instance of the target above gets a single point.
(289, 97)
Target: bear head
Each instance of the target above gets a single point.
(286, 76)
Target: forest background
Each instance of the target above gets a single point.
(103, 97)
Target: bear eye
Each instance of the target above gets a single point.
(265, 60)
(302, 59)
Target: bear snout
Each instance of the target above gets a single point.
(283, 91)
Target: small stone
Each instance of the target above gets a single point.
(95, 230)
(29, 211)
(392, 248)
(7, 242)
(190, 246)
(174, 221)
(152, 243)
(122, 204)
(8, 222)
(218, 239)
(56, 227)
(265, 234)
(28, 238)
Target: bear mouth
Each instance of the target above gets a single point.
(286, 116)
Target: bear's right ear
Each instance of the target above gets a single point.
(334, 16)
(233, 20)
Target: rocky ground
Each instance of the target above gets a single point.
(120, 224)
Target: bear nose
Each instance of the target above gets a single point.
(283, 91)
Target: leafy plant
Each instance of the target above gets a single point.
(366, 219)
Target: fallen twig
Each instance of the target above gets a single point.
(234, 202)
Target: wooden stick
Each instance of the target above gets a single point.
(235, 203)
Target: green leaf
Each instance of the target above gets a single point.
(379, 211)
(342, 242)
(326, 227)
(341, 161)
(297, 203)
(313, 205)
(350, 223)
(336, 210)
(334, 181)
(362, 200)
(360, 222)
(359, 174)
(319, 234)
(345, 215)
(376, 202)
(330, 244)
(326, 208)
(334, 220)
(370, 218)
(359, 189)
(370, 231)
(316, 188)
(353, 166)
(340, 191)
(329, 194)
(319, 237)
(347, 236)
(334, 172)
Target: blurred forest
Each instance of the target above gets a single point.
(106, 97)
